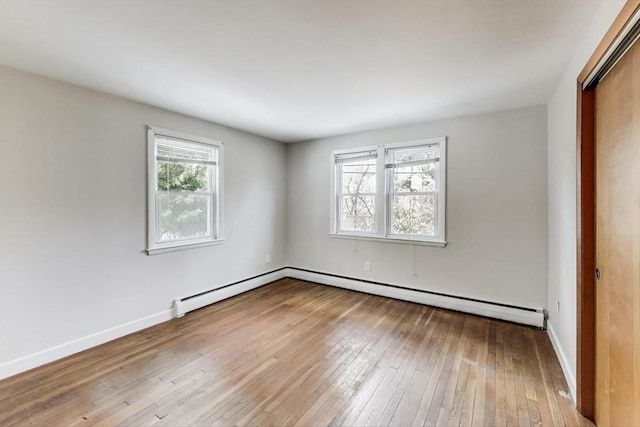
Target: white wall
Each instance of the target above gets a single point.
(496, 211)
(561, 140)
(73, 214)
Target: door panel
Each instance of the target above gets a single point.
(617, 376)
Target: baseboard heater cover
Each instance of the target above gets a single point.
(181, 306)
(528, 316)
(533, 317)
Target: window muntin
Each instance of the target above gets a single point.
(400, 188)
(184, 189)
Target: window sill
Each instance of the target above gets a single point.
(182, 247)
(397, 240)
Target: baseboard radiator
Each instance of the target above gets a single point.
(194, 302)
(528, 316)
(524, 315)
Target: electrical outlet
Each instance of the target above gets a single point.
(267, 259)
(367, 265)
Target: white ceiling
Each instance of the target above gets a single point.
(296, 70)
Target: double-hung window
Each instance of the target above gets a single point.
(356, 174)
(391, 191)
(185, 190)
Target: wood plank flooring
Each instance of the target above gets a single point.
(295, 353)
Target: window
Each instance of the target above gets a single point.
(391, 191)
(185, 190)
(356, 175)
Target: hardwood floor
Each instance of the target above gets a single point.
(295, 353)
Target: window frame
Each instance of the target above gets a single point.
(338, 193)
(216, 217)
(384, 184)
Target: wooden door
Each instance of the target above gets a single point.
(617, 336)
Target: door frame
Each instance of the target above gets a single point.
(586, 220)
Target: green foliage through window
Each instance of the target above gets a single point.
(182, 177)
(184, 191)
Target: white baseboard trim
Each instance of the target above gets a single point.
(187, 304)
(533, 317)
(564, 362)
(43, 357)
(48, 355)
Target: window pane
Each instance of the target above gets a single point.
(413, 214)
(359, 177)
(413, 154)
(183, 177)
(176, 150)
(357, 213)
(182, 216)
(418, 178)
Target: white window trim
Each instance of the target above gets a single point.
(394, 239)
(154, 248)
(334, 189)
(382, 214)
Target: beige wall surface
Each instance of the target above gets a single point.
(73, 218)
(562, 194)
(496, 211)
(73, 211)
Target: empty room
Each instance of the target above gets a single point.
(340, 212)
